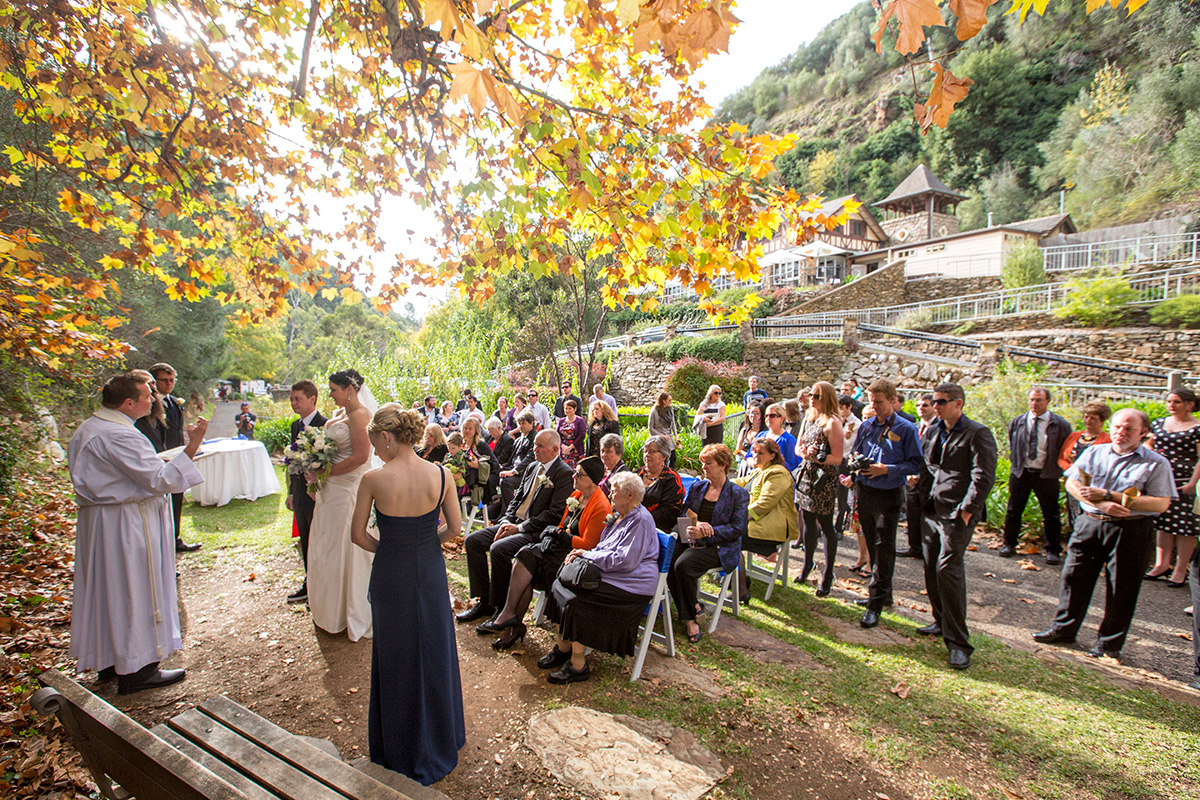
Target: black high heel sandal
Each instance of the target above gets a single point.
(513, 633)
(500, 625)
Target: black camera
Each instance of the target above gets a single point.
(857, 462)
(822, 453)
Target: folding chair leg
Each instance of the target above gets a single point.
(539, 608)
(728, 594)
(780, 572)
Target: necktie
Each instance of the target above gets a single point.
(523, 509)
(1033, 440)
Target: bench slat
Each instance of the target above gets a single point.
(269, 736)
(252, 790)
(258, 764)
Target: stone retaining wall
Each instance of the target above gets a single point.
(883, 287)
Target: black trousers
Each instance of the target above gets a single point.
(844, 510)
(879, 514)
(1194, 575)
(177, 511)
(816, 526)
(1046, 492)
(303, 505)
(484, 553)
(1122, 550)
(688, 565)
(913, 501)
(945, 543)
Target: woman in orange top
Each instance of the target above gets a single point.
(536, 565)
(1095, 414)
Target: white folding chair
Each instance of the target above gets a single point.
(661, 603)
(769, 577)
(727, 596)
(473, 515)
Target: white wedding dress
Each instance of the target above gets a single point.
(339, 571)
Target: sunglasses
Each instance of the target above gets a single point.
(941, 401)
(773, 416)
(716, 393)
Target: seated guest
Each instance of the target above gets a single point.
(501, 446)
(448, 418)
(717, 507)
(537, 504)
(612, 450)
(602, 420)
(772, 505)
(483, 471)
(606, 618)
(522, 457)
(664, 490)
(774, 416)
(536, 565)
(1095, 414)
(433, 446)
(503, 412)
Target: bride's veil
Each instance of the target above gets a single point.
(368, 399)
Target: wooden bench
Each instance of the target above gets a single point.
(216, 751)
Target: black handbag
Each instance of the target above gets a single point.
(580, 575)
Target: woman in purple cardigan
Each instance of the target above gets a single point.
(606, 618)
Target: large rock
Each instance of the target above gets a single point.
(600, 754)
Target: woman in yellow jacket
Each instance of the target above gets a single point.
(772, 505)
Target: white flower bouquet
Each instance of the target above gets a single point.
(314, 452)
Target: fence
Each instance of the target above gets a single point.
(1163, 249)
(918, 268)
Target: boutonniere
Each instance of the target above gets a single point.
(544, 480)
(573, 503)
(611, 518)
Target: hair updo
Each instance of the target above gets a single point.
(348, 379)
(406, 425)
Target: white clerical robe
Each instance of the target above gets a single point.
(125, 612)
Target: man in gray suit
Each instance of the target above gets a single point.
(1034, 441)
(962, 462)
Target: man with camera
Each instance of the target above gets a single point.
(885, 453)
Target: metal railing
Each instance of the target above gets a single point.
(794, 327)
(1163, 249)
(917, 268)
(649, 336)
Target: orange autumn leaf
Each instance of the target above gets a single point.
(912, 15)
(948, 90)
(972, 16)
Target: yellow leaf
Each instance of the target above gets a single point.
(912, 15)
(1023, 6)
(628, 11)
(581, 197)
(470, 82)
(329, 294)
(442, 11)
(351, 296)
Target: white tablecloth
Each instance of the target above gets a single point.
(234, 469)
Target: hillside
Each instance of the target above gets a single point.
(1102, 107)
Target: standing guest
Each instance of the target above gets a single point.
(851, 389)
(606, 618)
(164, 382)
(472, 410)
(663, 496)
(430, 410)
(303, 398)
(804, 398)
(448, 418)
(154, 425)
(891, 443)
(753, 394)
(1177, 437)
(126, 618)
(1194, 577)
(462, 402)
(1035, 440)
(522, 457)
(821, 446)
(962, 459)
(752, 425)
(612, 450)
(850, 425)
(536, 565)
(540, 414)
(560, 402)
(501, 446)
(717, 507)
(433, 444)
(520, 403)
(898, 408)
(772, 509)
(1095, 414)
(572, 430)
(776, 432)
(709, 422)
(662, 422)
(916, 490)
(1121, 487)
(245, 421)
(599, 395)
(601, 422)
(415, 722)
(503, 412)
(537, 504)
(793, 417)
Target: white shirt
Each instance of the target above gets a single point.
(1043, 424)
(542, 415)
(306, 421)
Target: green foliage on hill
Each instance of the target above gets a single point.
(1102, 106)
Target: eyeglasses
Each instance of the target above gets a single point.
(941, 401)
(717, 393)
(774, 416)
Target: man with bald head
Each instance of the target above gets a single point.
(1121, 487)
(538, 504)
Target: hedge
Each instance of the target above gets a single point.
(722, 347)
(275, 434)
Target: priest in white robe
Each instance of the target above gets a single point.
(125, 618)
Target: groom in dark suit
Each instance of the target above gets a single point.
(299, 501)
(164, 382)
(538, 504)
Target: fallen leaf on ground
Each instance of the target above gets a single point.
(901, 690)
(1025, 600)
(1011, 795)
(1186, 636)
(1029, 550)
(989, 574)
(972, 548)
(1007, 580)
(250, 577)
(1027, 564)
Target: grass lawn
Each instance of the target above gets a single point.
(263, 526)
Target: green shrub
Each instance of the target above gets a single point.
(1100, 302)
(1023, 266)
(721, 347)
(690, 378)
(967, 327)
(997, 506)
(1178, 312)
(275, 434)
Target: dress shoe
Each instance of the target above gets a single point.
(488, 626)
(909, 553)
(1053, 559)
(149, 677)
(555, 658)
(797, 545)
(106, 674)
(512, 634)
(865, 601)
(1054, 636)
(932, 629)
(1176, 584)
(183, 547)
(869, 619)
(1150, 576)
(300, 595)
(1099, 652)
(1006, 552)
(568, 674)
(479, 611)
(959, 659)
(822, 592)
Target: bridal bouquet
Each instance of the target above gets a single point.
(312, 451)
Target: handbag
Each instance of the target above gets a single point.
(580, 575)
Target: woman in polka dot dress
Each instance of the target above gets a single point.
(1178, 438)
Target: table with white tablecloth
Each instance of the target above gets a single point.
(234, 469)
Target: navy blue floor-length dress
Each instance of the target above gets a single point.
(415, 725)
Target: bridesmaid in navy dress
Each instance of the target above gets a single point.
(415, 725)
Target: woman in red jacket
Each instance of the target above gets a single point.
(1095, 414)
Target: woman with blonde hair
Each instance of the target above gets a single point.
(772, 506)
(433, 444)
(709, 422)
(821, 447)
(602, 420)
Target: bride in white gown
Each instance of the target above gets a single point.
(339, 573)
